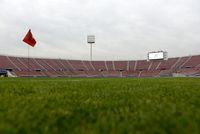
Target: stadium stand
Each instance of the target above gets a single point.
(89, 65)
(143, 65)
(110, 65)
(39, 67)
(120, 65)
(131, 65)
(99, 65)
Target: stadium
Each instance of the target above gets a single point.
(155, 67)
(99, 67)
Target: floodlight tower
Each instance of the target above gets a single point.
(91, 40)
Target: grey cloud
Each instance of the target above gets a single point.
(124, 29)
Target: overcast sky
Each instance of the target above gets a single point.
(124, 29)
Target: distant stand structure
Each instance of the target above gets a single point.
(91, 41)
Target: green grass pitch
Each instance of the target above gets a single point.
(100, 105)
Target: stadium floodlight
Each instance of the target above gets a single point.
(91, 40)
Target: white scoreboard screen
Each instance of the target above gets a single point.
(156, 55)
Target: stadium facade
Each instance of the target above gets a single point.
(40, 67)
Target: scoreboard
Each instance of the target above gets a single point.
(159, 55)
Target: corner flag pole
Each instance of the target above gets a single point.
(28, 60)
(29, 39)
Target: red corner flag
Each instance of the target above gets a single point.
(29, 39)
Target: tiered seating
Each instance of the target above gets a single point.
(66, 65)
(94, 74)
(88, 65)
(142, 65)
(77, 65)
(110, 65)
(30, 74)
(132, 73)
(121, 65)
(35, 67)
(154, 65)
(7, 64)
(78, 74)
(55, 65)
(188, 71)
(165, 73)
(150, 73)
(180, 62)
(17, 62)
(45, 64)
(193, 62)
(30, 63)
(49, 70)
(99, 65)
(66, 68)
(167, 64)
(111, 74)
(131, 66)
(52, 64)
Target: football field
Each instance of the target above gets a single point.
(100, 105)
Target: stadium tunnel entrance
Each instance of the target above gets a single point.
(3, 73)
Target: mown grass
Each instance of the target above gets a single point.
(62, 105)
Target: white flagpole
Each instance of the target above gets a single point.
(28, 58)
